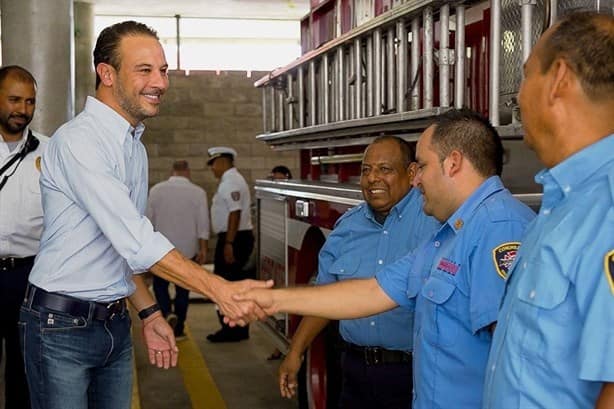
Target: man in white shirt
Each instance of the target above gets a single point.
(178, 209)
(232, 222)
(96, 240)
(21, 218)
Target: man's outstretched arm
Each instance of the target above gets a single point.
(348, 299)
(178, 269)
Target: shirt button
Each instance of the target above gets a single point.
(342, 270)
(546, 211)
(437, 243)
(372, 323)
(380, 261)
(524, 265)
(430, 293)
(532, 294)
(493, 368)
(567, 189)
(385, 231)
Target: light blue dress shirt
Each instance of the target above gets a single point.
(455, 283)
(94, 192)
(359, 247)
(554, 343)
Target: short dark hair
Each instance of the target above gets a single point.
(181, 166)
(472, 135)
(283, 170)
(408, 150)
(585, 40)
(107, 44)
(17, 71)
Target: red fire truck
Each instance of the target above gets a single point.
(373, 67)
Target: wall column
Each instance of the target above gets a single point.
(38, 35)
(84, 61)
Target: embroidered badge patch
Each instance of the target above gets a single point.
(609, 269)
(448, 266)
(503, 256)
(37, 163)
(235, 196)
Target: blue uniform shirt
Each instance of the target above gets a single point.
(554, 343)
(94, 192)
(359, 247)
(456, 282)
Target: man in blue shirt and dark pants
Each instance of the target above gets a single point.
(377, 363)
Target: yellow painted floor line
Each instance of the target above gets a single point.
(196, 376)
(136, 396)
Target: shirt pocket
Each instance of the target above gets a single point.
(345, 267)
(440, 323)
(544, 313)
(30, 191)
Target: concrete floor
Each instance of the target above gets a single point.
(239, 371)
(243, 376)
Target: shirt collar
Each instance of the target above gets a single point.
(573, 172)
(118, 126)
(178, 179)
(227, 174)
(397, 209)
(462, 215)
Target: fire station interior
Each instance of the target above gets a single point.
(360, 69)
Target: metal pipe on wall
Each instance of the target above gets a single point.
(401, 66)
(377, 64)
(358, 73)
(459, 72)
(428, 71)
(415, 63)
(444, 56)
(390, 69)
(495, 43)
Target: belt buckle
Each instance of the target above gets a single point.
(114, 308)
(372, 355)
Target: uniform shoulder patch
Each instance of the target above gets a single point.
(609, 269)
(503, 257)
(236, 195)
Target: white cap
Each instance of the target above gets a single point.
(217, 151)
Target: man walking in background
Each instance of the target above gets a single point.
(178, 209)
(21, 218)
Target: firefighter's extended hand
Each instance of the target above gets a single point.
(237, 312)
(263, 297)
(288, 370)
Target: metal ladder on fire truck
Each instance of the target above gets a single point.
(381, 76)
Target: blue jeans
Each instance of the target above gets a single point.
(75, 362)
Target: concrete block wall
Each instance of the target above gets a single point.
(205, 109)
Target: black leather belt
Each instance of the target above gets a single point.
(37, 297)
(378, 355)
(9, 263)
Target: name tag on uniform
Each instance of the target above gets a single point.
(448, 266)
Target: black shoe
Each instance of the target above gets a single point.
(226, 336)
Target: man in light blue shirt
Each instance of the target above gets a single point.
(377, 364)
(455, 280)
(75, 328)
(554, 343)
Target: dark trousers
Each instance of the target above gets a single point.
(179, 306)
(242, 246)
(379, 386)
(13, 283)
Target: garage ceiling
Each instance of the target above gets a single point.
(242, 9)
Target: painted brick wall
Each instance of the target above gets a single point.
(205, 109)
